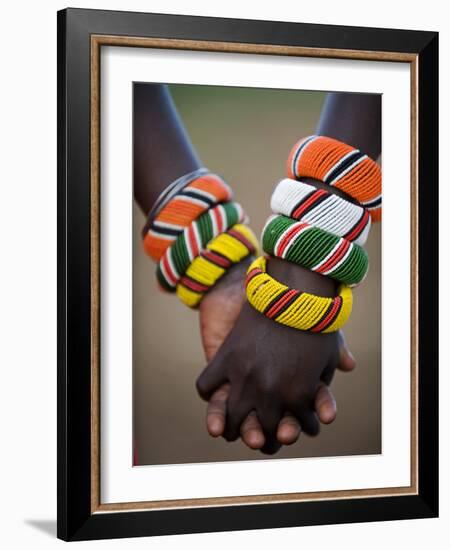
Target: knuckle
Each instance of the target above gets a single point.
(267, 385)
(201, 386)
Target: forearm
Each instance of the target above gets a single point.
(162, 149)
(181, 219)
(354, 119)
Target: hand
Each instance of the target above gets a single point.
(220, 308)
(271, 369)
(218, 313)
(289, 428)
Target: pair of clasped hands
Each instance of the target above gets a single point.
(266, 382)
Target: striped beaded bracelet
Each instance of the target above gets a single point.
(173, 189)
(339, 165)
(193, 239)
(221, 253)
(294, 308)
(315, 249)
(318, 207)
(196, 193)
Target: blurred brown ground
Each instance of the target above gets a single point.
(245, 135)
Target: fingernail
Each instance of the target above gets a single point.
(255, 439)
(215, 427)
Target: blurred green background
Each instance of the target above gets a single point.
(244, 134)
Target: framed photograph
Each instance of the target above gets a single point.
(201, 303)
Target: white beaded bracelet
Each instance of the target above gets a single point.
(320, 208)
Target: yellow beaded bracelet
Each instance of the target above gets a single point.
(294, 308)
(221, 253)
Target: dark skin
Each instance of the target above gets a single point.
(274, 372)
(219, 311)
(162, 153)
(354, 119)
(273, 369)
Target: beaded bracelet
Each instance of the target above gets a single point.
(339, 165)
(315, 249)
(194, 238)
(220, 254)
(173, 189)
(318, 207)
(294, 308)
(194, 195)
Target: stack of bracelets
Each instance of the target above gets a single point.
(318, 230)
(196, 233)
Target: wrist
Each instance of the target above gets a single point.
(300, 278)
(235, 276)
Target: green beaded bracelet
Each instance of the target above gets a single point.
(315, 249)
(194, 238)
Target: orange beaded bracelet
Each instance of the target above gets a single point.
(338, 165)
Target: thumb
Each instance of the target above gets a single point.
(213, 376)
(219, 310)
(346, 360)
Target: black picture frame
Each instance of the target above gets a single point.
(76, 519)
